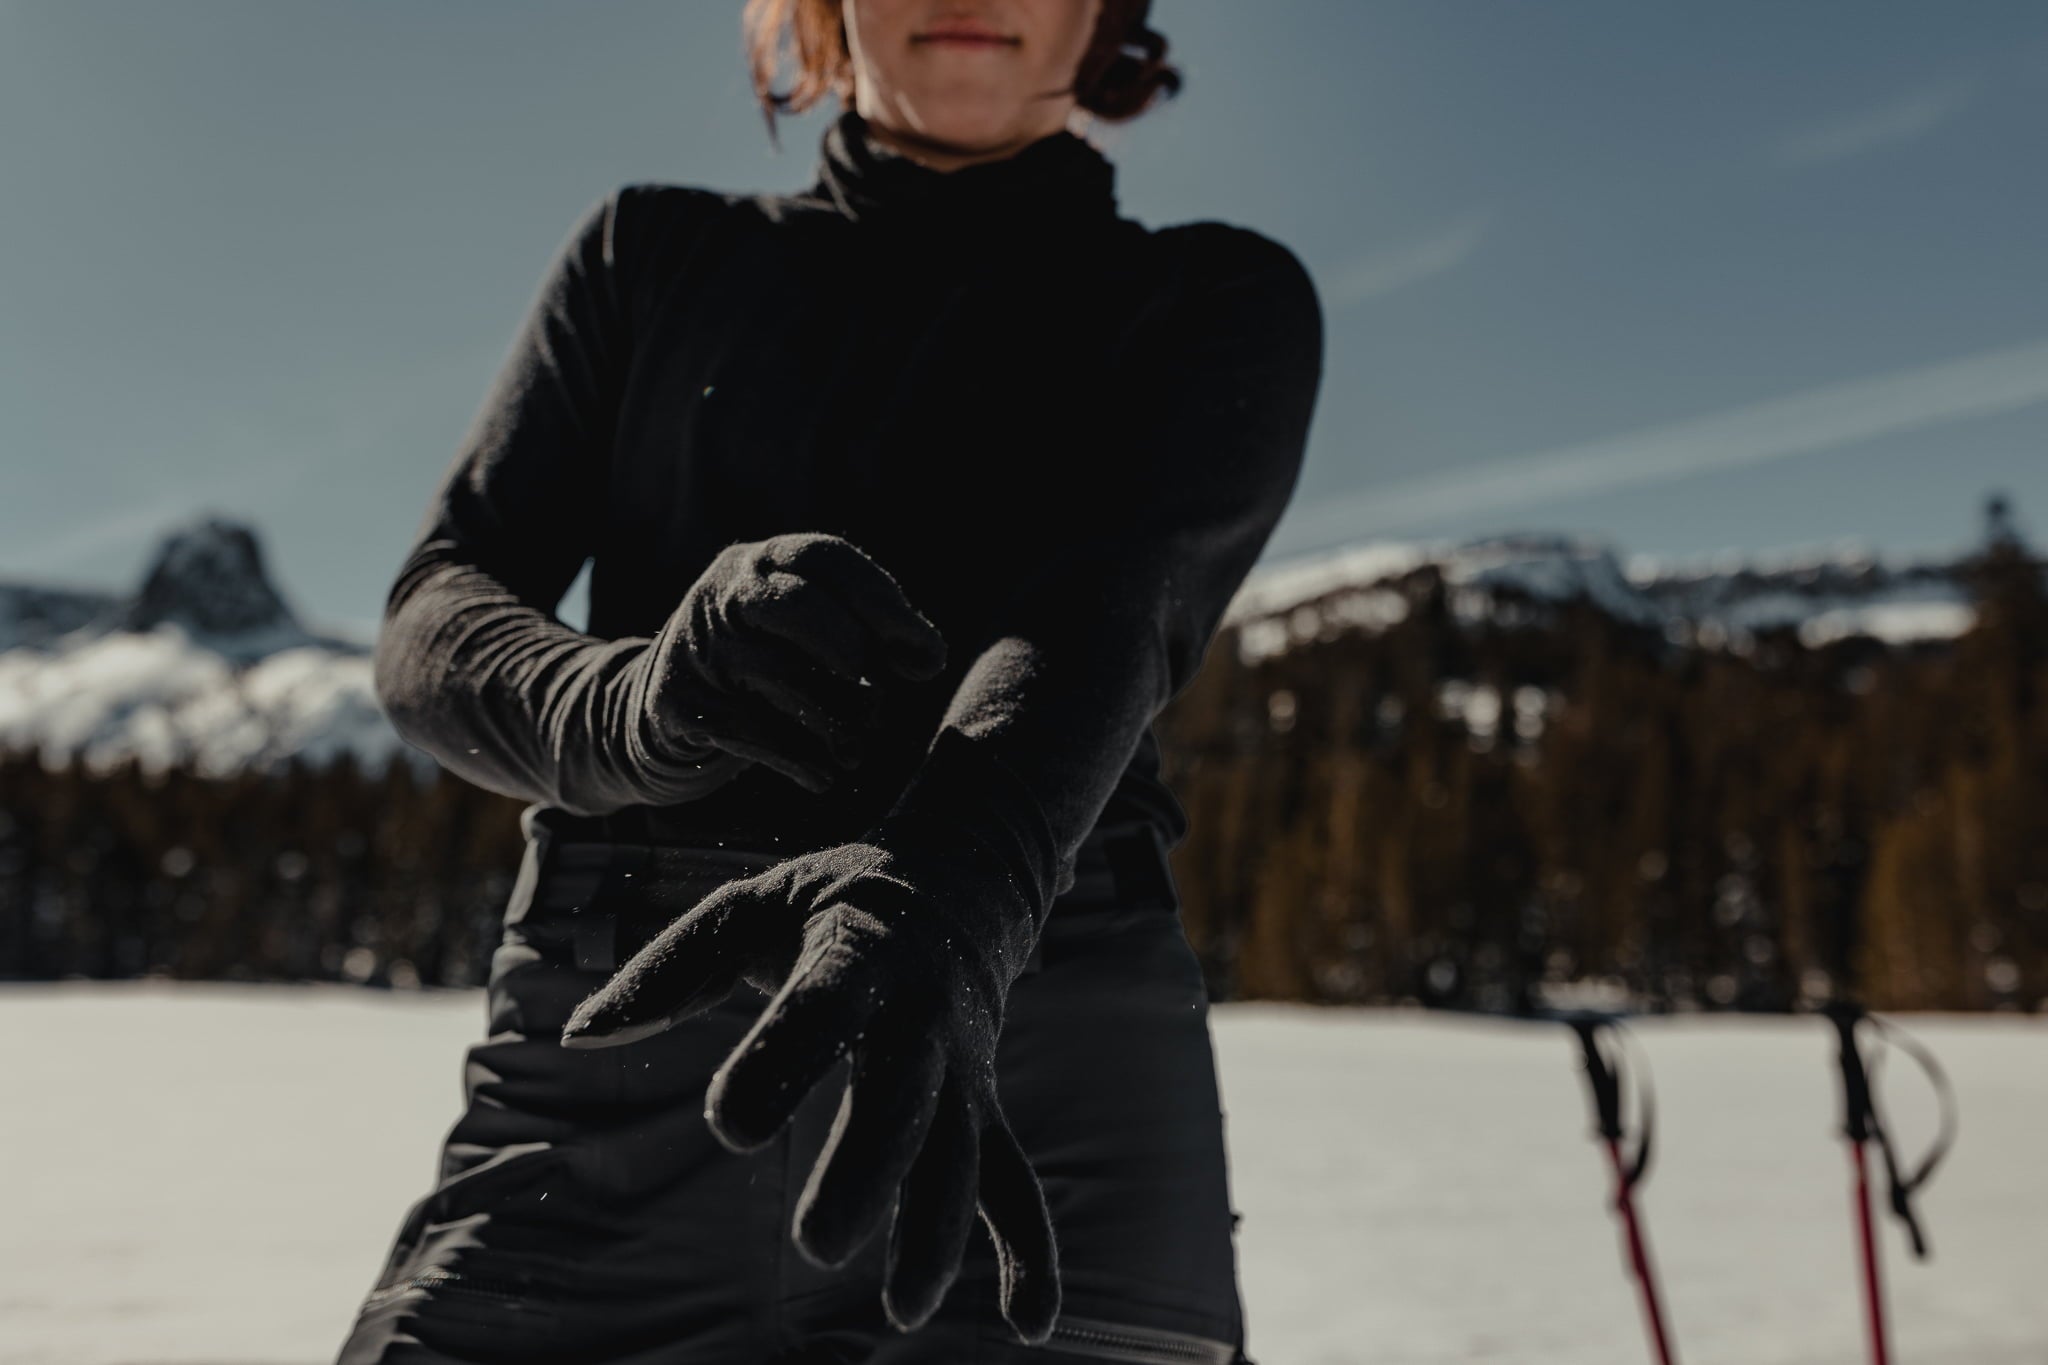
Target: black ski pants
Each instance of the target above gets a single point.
(585, 1215)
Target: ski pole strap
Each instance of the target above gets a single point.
(1862, 1121)
(1604, 1084)
(1904, 1186)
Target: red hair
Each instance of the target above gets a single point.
(1122, 74)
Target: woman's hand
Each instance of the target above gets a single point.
(779, 654)
(899, 951)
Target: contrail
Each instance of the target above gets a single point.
(1382, 272)
(1980, 385)
(1900, 121)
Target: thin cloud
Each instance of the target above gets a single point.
(1901, 120)
(1980, 385)
(1384, 271)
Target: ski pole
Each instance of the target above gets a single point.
(1603, 1081)
(1856, 1131)
(1861, 1126)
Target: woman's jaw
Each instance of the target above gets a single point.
(953, 82)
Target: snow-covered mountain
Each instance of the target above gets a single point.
(1523, 581)
(203, 667)
(34, 616)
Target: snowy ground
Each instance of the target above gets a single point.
(211, 1174)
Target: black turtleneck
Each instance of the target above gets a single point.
(1067, 435)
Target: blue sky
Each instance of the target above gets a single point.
(1746, 275)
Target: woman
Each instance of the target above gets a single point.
(913, 498)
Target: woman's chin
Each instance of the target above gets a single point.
(972, 121)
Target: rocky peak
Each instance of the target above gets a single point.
(208, 576)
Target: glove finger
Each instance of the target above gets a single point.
(832, 708)
(916, 648)
(753, 729)
(812, 1021)
(742, 724)
(809, 616)
(815, 779)
(1013, 1206)
(935, 1213)
(883, 1114)
(685, 969)
(870, 599)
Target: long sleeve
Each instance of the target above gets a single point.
(1098, 634)
(471, 663)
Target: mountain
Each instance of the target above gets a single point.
(33, 616)
(204, 667)
(1527, 581)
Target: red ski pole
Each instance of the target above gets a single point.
(1639, 1256)
(1603, 1080)
(1873, 1286)
(1862, 1126)
(1856, 1126)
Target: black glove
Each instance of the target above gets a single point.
(900, 949)
(778, 654)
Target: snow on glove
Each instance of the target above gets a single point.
(898, 949)
(778, 654)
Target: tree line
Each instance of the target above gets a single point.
(1492, 815)
(1588, 809)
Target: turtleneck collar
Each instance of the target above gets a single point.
(1059, 179)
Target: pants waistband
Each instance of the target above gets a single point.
(594, 892)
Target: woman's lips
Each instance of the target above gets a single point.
(966, 37)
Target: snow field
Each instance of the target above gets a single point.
(213, 1174)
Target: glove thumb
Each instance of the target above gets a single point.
(684, 970)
